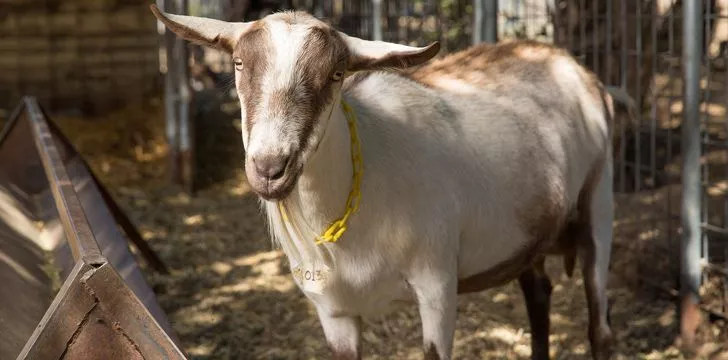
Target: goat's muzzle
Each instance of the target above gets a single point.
(271, 176)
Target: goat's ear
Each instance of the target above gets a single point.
(213, 33)
(374, 55)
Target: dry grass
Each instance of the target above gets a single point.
(229, 295)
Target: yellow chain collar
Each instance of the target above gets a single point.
(338, 227)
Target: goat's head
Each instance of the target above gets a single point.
(289, 69)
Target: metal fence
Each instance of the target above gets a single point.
(671, 172)
(70, 281)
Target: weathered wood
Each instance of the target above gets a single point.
(45, 44)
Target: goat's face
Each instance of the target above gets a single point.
(289, 70)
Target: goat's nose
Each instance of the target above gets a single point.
(271, 167)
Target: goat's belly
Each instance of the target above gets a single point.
(380, 295)
(493, 259)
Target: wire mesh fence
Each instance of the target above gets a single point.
(670, 172)
(636, 45)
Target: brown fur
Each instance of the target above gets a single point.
(536, 288)
(324, 53)
(344, 354)
(431, 353)
(545, 220)
(553, 226)
(254, 52)
(503, 272)
(485, 64)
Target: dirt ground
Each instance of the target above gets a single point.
(229, 295)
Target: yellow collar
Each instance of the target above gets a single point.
(338, 227)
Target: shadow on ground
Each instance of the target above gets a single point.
(219, 149)
(230, 296)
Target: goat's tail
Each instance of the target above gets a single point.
(623, 116)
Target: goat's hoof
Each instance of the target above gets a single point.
(602, 344)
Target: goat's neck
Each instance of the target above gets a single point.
(324, 185)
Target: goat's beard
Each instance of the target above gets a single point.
(295, 236)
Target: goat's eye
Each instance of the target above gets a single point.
(337, 75)
(238, 63)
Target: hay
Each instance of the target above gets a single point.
(229, 295)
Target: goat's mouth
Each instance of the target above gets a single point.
(276, 188)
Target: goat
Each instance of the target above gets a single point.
(467, 171)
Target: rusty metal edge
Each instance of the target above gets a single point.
(130, 316)
(87, 287)
(64, 146)
(78, 233)
(78, 294)
(62, 318)
(121, 218)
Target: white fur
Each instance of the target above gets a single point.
(287, 42)
(206, 28)
(451, 178)
(268, 135)
(374, 49)
(439, 194)
(427, 189)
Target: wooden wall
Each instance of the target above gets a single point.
(85, 56)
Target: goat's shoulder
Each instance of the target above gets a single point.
(382, 78)
(389, 92)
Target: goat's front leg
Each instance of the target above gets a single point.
(437, 300)
(343, 334)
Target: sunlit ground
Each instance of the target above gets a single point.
(229, 295)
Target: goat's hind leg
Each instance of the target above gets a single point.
(536, 288)
(595, 245)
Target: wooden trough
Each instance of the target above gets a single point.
(70, 288)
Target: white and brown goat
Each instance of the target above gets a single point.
(476, 166)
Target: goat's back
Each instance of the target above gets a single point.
(510, 131)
